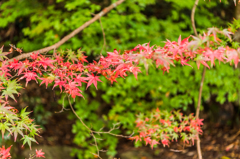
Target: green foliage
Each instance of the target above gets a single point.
(48, 23)
(14, 124)
(133, 22)
(11, 89)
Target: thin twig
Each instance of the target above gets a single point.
(72, 34)
(192, 17)
(197, 113)
(62, 106)
(200, 93)
(97, 132)
(95, 140)
(104, 38)
(78, 116)
(201, 84)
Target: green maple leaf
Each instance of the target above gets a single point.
(28, 140)
(174, 136)
(169, 130)
(3, 78)
(5, 109)
(16, 131)
(71, 55)
(23, 114)
(2, 56)
(22, 124)
(3, 127)
(12, 118)
(11, 89)
(33, 130)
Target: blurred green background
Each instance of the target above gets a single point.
(32, 25)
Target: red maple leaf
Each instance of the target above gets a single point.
(72, 89)
(45, 62)
(165, 142)
(34, 56)
(80, 79)
(154, 142)
(46, 80)
(4, 153)
(92, 79)
(59, 83)
(148, 140)
(29, 76)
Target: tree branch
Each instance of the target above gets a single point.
(72, 34)
(201, 84)
(200, 93)
(192, 17)
(197, 112)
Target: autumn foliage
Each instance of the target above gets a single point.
(69, 70)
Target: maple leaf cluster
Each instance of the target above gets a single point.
(15, 123)
(164, 127)
(73, 70)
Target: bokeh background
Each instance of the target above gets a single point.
(34, 24)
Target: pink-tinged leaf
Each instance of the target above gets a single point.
(179, 40)
(142, 134)
(233, 55)
(199, 122)
(136, 138)
(175, 129)
(92, 80)
(234, 2)
(154, 142)
(148, 140)
(199, 130)
(227, 33)
(5, 126)
(202, 60)
(28, 140)
(134, 70)
(16, 131)
(212, 55)
(165, 142)
(213, 31)
(39, 153)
